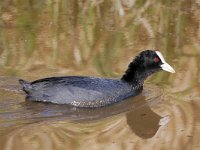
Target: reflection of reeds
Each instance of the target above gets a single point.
(79, 33)
(3, 46)
(54, 12)
(4, 50)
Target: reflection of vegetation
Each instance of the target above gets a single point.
(78, 33)
(25, 21)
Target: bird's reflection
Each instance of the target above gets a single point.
(143, 121)
(140, 118)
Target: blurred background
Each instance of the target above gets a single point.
(42, 38)
(100, 35)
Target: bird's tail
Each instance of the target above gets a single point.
(26, 86)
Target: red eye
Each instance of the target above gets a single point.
(156, 59)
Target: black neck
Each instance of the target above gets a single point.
(139, 69)
(137, 73)
(131, 74)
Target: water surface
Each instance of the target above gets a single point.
(99, 38)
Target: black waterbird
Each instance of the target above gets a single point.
(82, 91)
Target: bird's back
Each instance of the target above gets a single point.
(79, 91)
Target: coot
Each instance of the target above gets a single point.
(82, 91)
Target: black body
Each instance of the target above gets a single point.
(83, 91)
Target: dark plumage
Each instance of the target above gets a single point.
(83, 91)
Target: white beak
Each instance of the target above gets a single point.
(165, 66)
